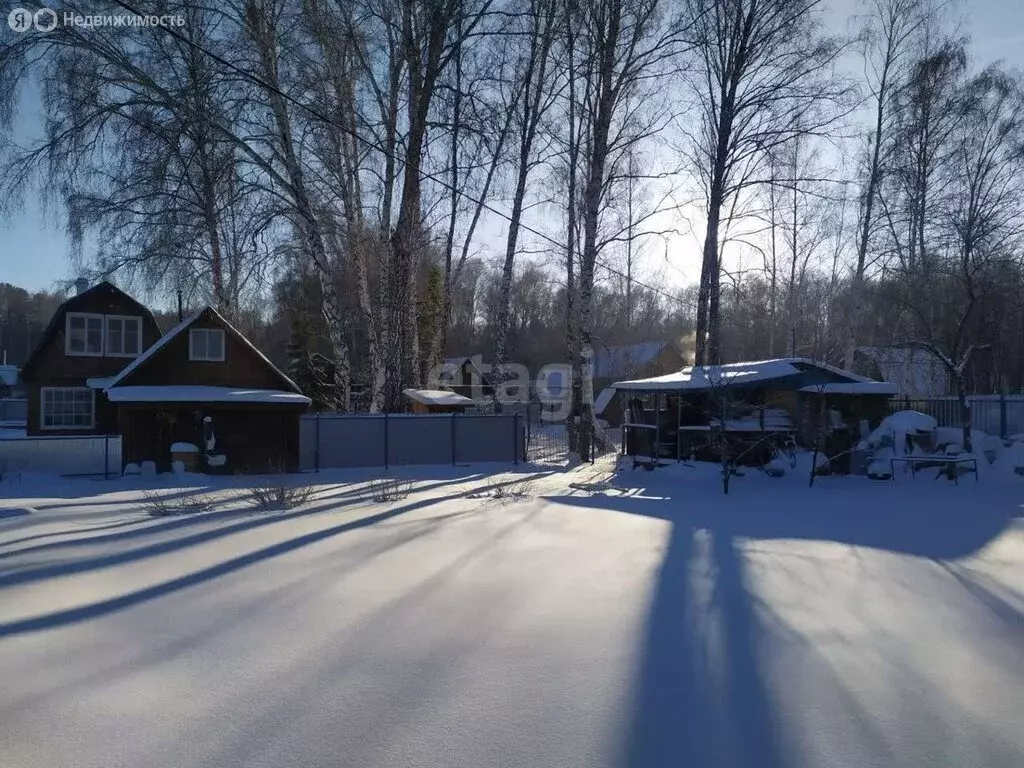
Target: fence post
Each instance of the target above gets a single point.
(106, 456)
(386, 450)
(316, 447)
(515, 438)
(1002, 416)
(453, 438)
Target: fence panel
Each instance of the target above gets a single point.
(340, 440)
(346, 441)
(991, 414)
(488, 438)
(421, 438)
(63, 455)
(13, 411)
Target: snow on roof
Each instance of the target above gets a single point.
(201, 394)
(179, 328)
(436, 397)
(9, 375)
(99, 382)
(623, 359)
(710, 376)
(735, 374)
(603, 400)
(853, 388)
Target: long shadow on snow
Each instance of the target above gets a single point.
(250, 520)
(102, 608)
(700, 696)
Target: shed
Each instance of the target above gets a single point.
(437, 401)
(204, 383)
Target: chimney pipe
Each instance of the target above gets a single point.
(179, 306)
(81, 285)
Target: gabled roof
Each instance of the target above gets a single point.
(736, 375)
(72, 305)
(179, 329)
(623, 359)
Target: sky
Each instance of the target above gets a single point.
(34, 251)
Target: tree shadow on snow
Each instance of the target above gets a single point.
(700, 696)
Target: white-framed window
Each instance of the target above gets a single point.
(206, 344)
(84, 334)
(124, 336)
(67, 408)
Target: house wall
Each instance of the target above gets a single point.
(241, 366)
(255, 438)
(51, 367)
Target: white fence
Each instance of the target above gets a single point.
(94, 455)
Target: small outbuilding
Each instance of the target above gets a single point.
(205, 384)
(437, 401)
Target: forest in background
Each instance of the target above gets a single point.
(394, 181)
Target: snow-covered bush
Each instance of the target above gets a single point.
(893, 430)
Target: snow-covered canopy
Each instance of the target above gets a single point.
(696, 378)
(202, 394)
(436, 397)
(713, 376)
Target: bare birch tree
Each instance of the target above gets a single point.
(764, 75)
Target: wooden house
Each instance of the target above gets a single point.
(465, 376)
(628, 361)
(89, 339)
(205, 384)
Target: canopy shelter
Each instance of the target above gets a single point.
(748, 408)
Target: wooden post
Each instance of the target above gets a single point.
(657, 427)
(316, 448)
(679, 432)
(453, 438)
(386, 452)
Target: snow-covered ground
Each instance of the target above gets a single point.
(646, 621)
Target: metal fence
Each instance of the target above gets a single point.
(1000, 415)
(13, 411)
(93, 455)
(384, 440)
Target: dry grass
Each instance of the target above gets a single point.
(163, 504)
(385, 489)
(279, 495)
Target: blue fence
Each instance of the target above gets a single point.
(999, 415)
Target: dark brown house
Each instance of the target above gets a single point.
(90, 338)
(205, 384)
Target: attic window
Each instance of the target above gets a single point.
(124, 336)
(206, 344)
(84, 334)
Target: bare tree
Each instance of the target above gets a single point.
(764, 75)
(888, 36)
(533, 92)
